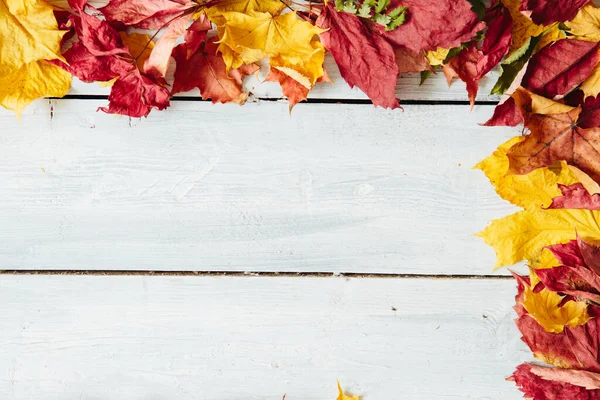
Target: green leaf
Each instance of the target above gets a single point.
(350, 7)
(512, 65)
(424, 75)
(370, 3)
(381, 6)
(453, 52)
(478, 8)
(339, 5)
(398, 16)
(382, 19)
(364, 11)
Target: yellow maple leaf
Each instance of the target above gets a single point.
(538, 104)
(523, 28)
(544, 306)
(306, 73)
(343, 396)
(545, 260)
(437, 57)
(273, 35)
(29, 35)
(586, 24)
(591, 86)
(28, 32)
(523, 235)
(530, 191)
(32, 81)
(215, 13)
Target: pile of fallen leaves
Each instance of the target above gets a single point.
(548, 55)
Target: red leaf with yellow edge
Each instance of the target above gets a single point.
(206, 70)
(546, 12)
(549, 78)
(434, 23)
(527, 378)
(365, 59)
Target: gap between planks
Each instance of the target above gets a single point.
(108, 272)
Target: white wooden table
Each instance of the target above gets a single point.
(220, 252)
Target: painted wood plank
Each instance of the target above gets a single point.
(331, 188)
(224, 338)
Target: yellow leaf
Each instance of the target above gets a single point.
(282, 34)
(544, 307)
(306, 73)
(590, 185)
(343, 396)
(586, 24)
(523, 28)
(523, 235)
(215, 13)
(140, 46)
(29, 35)
(437, 57)
(33, 80)
(531, 191)
(28, 32)
(545, 260)
(539, 104)
(591, 86)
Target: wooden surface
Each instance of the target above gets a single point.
(224, 338)
(93, 205)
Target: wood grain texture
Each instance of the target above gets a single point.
(331, 188)
(223, 338)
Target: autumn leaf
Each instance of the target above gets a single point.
(434, 23)
(591, 86)
(366, 60)
(272, 35)
(577, 197)
(410, 61)
(135, 95)
(525, 234)
(550, 79)
(155, 14)
(29, 35)
(545, 307)
(472, 63)
(343, 396)
(205, 69)
(524, 29)
(577, 274)
(536, 385)
(575, 347)
(215, 11)
(557, 137)
(546, 12)
(101, 53)
(33, 80)
(531, 191)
